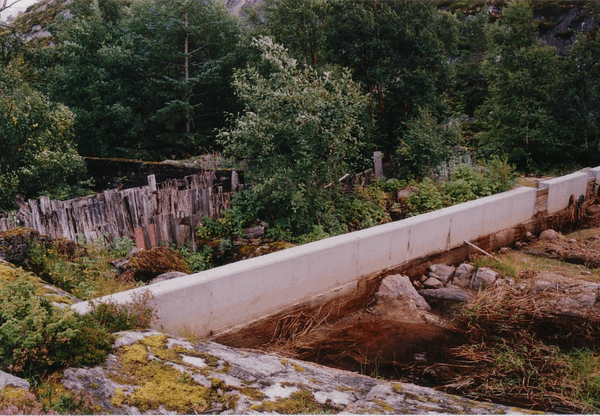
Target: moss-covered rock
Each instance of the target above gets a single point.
(154, 373)
(15, 244)
(145, 265)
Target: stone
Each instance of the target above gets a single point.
(404, 193)
(549, 235)
(504, 250)
(247, 382)
(577, 304)
(432, 283)
(399, 286)
(254, 232)
(8, 380)
(451, 293)
(441, 272)
(166, 276)
(463, 274)
(484, 276)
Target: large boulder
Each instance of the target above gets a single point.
(398, 287)
(463, 274)
(448, 293)
(15, 245)
(166, 276)
(145, 265)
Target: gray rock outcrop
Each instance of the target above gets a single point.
(450, 292)
(441, 272)
(153, 373)
(166, 276)
(8, 380)
(463, 274)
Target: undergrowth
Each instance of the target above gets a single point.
(83, 270)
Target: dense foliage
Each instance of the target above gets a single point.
(301, 131)
(37, 153)
(420, 81)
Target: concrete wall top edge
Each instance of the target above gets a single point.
(549, 182)
(596, 173)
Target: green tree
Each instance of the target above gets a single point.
(188, 50)
(299, 26)
(579, 111)
(524, 79)
(427, 143)
(37, 153)
(399, 51)
(300, 132)
(97, 78)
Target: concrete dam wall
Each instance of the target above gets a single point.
(225, 299)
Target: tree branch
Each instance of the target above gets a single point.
(5, 5)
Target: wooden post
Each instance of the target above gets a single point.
(377, 158)
(234, 181)
(152, 183)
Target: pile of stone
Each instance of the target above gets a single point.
(441, 283)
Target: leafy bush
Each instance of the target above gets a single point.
(466, 183)
(429, 198)
(35, 335)
(37, 153)
(369, 207)
(199, 260)
(316, 234)
(426, 143)
(301, 131)
(121, 246)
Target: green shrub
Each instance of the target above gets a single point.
(466, 183)
(121, 246)
(138, 314)
(317, 233)
(429, 198)
(199, 260)
(37, 336)
(369, 207)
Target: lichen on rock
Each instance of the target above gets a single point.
(149, 373)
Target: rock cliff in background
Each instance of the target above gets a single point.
(560, 22)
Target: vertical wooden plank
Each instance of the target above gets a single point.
(139, 238)
(152, 235)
